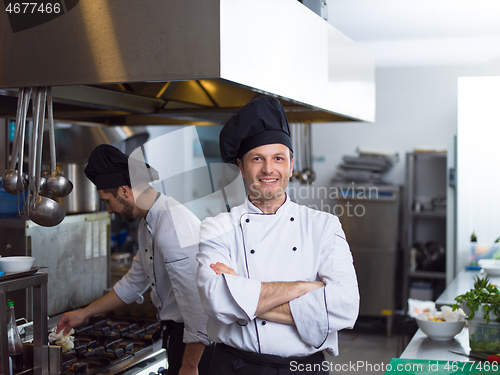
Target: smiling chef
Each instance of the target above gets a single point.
(276, 278)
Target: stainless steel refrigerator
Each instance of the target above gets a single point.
(370, 217)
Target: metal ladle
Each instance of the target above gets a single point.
(297, 151)
(57, 184)
(10, 180)
(42, 210)
(308, 174)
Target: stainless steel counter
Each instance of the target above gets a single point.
(422, 347)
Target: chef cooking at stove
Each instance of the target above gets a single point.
(168, 237)
(276, 278)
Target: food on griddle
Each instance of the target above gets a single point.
(60, 339)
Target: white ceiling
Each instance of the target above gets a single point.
(421, 32)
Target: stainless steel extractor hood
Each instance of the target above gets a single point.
(150, 62)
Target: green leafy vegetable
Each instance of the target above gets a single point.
(483, 294)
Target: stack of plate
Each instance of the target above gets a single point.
(366, 167)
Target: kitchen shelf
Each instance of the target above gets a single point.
(38, 283)
(424, 223)
(429, 214)
(426, 274)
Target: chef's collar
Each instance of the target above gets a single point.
(158, 195)
(253, 209)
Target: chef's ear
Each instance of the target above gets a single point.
(291, 167)
(123, 190)
(240, 165)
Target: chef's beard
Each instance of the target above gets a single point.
(128, 210)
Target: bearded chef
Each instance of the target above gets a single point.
(276, 278)
(168, 235)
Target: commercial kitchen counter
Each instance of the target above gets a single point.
(421, 347)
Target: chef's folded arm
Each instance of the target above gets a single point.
(334, 307)
(217, 296)
(228, 298)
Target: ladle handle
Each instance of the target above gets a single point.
(308, 145)
(17, 131)
(20, 180)
(41, 121)
(34, 183)
(22, 135)
(32, 149)
(52, 138)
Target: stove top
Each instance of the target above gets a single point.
(106, 341)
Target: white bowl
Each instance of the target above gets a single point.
(439, 330)
(16, 264)
(491, 266)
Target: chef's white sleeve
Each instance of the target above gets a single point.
(133, 284)
(225, 298)
(181, 266)
(335, 306)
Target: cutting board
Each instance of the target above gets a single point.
(428, 367)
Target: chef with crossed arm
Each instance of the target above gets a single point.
(276, 278)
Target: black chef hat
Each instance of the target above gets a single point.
(108, 168)
(260, 122)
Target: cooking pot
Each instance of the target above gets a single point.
(84, 197)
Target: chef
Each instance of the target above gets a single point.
(276, 278)
(168, 236)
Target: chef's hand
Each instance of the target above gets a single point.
(70, 320)
(184, 371)
(191, 358)
(220, 268)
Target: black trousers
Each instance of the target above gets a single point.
(230, 361)
(173, 344)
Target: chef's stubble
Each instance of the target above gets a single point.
(262, 197)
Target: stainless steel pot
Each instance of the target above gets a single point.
(84, 197)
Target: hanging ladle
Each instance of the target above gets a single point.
(297, 174)
(57, 184)
(10, 180)
(308, 175)
(42, 210)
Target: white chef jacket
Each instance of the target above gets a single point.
(296, 243)
(168, 267)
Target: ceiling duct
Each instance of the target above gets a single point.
(132, 62)
(71, 149)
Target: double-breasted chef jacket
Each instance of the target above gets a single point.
(166, 259)
(296, 243)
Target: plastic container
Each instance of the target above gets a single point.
(484, 337)
(483, 251)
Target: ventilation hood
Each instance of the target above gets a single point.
(148, 62)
